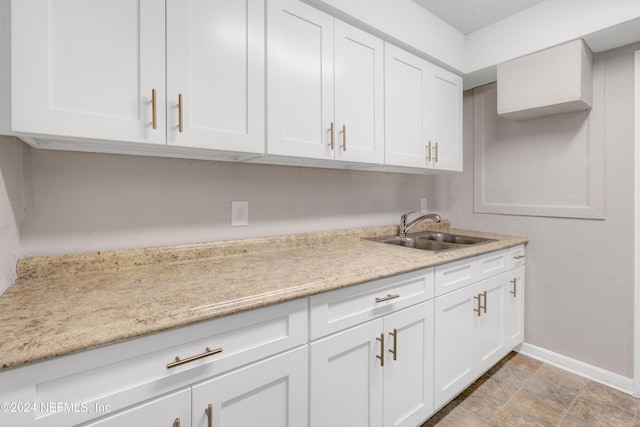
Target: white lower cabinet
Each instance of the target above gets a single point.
(514, 308)
(378, 373)
(272, 392)
(380, 354)
(250, 364)
(469, 336)
(476, 326)
(408, 371)
(269, 393)
(375, 374)
(346, 379)
(514, 298)
(172, 410)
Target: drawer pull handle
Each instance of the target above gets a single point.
(436, 156)
(176, 423)
(209, 412)
(514, 287)
(387, 298)
(394, 334)
(381, 355)
(429, 151)
(207, 352)
(154, 112)
(518, 257)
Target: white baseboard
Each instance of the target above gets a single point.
(577, 367)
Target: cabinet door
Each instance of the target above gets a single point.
(358, 95)
(407, 79)
(272, 392)
(408, 370)
(488, 328)
(445, 126)
(514, 308)
(172, 410)
(453, 343)
(300, 80)
(346, 378)
(215, 60)
(88, 69)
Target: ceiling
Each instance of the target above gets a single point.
(470, 15)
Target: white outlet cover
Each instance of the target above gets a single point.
(423, 204)
(239, 213)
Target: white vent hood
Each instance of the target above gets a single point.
(553, 81)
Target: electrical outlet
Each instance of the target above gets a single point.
(423, 204)
(239, 213)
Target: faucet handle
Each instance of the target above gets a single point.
(403, 219)
(405, 215)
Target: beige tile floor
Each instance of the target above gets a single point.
(521, 391)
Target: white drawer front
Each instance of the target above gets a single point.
(492, 263)
(455, 275)
(243, 338)
(516, 256)
(337, 310)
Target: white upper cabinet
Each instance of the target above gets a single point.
(272, 82)
(359, 114)
(96, 70)
(445, 132)
(299, 80)
(88, 69)
(215, 70)
(423, 113)
(311, 56)
(406, 110)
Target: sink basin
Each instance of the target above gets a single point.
(453, 238)
(432, 241)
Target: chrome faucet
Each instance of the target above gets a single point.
(404, 227)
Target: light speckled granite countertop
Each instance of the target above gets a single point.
(67, 303)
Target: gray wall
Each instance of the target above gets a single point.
(55, 202)
(579, 271)
(85, 202)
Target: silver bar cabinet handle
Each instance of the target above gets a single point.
(209, 412)
(154, 111)
(180, 127)
(381, 355)
(207, 352)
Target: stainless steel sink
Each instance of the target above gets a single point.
(432, 241)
